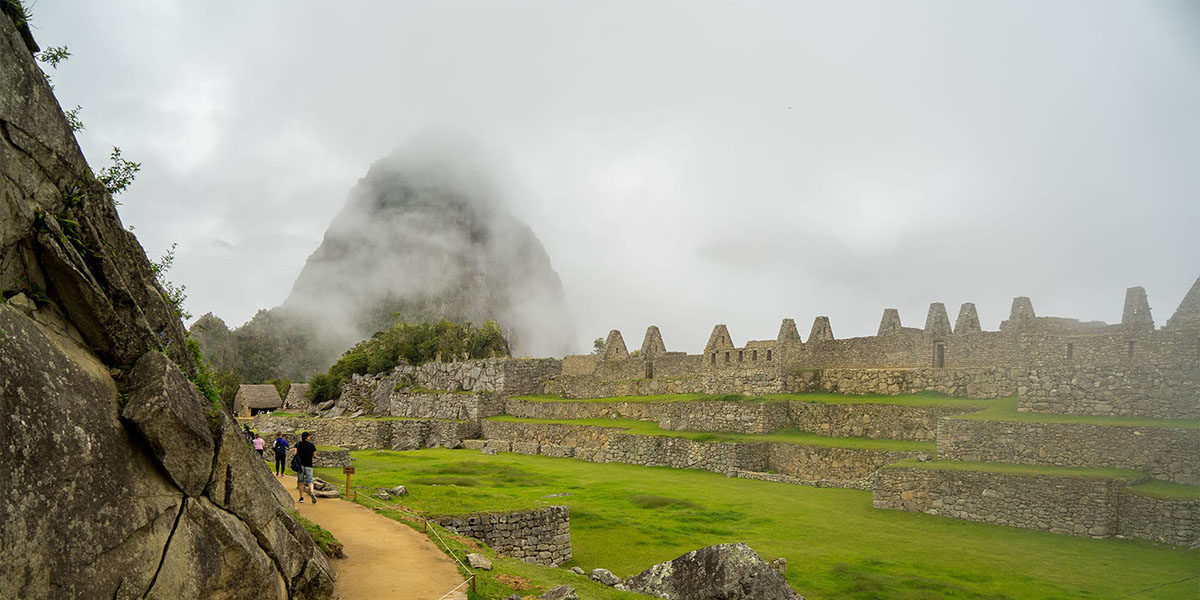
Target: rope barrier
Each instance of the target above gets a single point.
(455, 588)
(470, 579)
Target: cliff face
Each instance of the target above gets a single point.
(423, 238)
(120, 479)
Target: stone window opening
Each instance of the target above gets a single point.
(768, 355)
(726, 357)
(939, 356)
(1070, 351)
(649, 369)
(1129, 351)
(754, 355)
(741, 355)
(714, 358)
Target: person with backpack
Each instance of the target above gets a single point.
(280, 446)
(304, 455)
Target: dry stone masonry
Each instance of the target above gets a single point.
(1051, 364)
(541, 536)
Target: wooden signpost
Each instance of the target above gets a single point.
(348, 471)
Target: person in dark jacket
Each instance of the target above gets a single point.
(305, 450)
(280, 446)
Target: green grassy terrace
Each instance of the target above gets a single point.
(1166, 490)
(1126, 475)
(626, 518)
(924, 399)
(1005, 409)
(784, 436)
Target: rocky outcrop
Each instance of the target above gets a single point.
(721, 572)
(120, 479)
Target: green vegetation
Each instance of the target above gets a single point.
(1005, 409)
(325, 540)
(118, 176)
(924, 399)
(786, 436)
(415, 343)
(174, 294)
(1166, 490)
(281, 386)
(203, 380)
(626, 518)
(1126, 475)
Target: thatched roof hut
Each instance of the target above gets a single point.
(297, 397)
(252, 398)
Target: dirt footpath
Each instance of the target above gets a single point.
(384, 559)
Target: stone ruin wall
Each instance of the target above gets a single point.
(370, 434)
(886, 421)
(812, 465)
(540, 536)
(1171, 454)
(1080, 506)
(1175, 522)
(1163, 364)
(1168, 392)
(437, 390)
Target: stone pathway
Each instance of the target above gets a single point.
(385, 560)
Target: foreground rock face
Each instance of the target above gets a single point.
(722, 572)
(120, 479)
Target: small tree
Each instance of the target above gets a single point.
(172, 293)
(118, 176)
(598, 346)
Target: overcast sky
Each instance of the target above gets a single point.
(684, 163)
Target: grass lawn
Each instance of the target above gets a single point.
(787, 436)
(1005, 409)
(626, 518)
(924, 399)
(1166, 490)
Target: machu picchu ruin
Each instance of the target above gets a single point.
(384, 232)
(1134, 386)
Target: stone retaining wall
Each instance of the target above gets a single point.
(331, 458)
(963, 382)
(974, 382)
(817, 465)
(447, 405)
(739, 417)
(1067, 505)
(541, 536)
(1170, 454)
(363, 434)
(882, 421)
(1169, 392)
(1098, 508)
(1175, 522)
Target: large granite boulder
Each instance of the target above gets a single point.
(721, 572)
(121, 480)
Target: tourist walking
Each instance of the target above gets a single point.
(259, 444)
(305, 451)
(281, 450)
